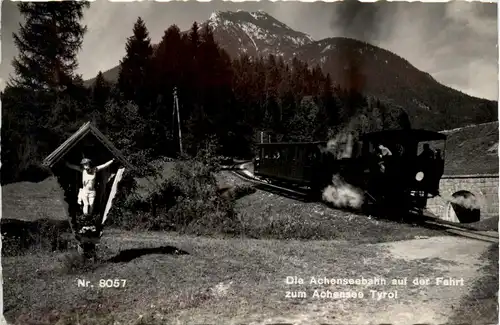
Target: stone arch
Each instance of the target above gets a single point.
(463, 206)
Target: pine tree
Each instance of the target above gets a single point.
(167, 75)
(214, 75)
(48, 43)
(167, 63)
(191, 83)
(286, 97)
(44, 93)
(328, 114)
(272, 108)
(297, 79)
(101, 90)
(135, 67)
(194, 38)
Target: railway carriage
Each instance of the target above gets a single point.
(403, 178)
(289, 162)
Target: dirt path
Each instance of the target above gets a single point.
(455, 258)
(439, 257)
(433, 258)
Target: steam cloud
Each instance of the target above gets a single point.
(340, 146)
(342, 194)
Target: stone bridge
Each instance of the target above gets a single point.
(479, 193)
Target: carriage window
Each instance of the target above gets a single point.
(368, 148)
(311, 155)
(266, 153)
(398, 150)
(307, 156)
(271, 153)
(298, 154)
(357, 149)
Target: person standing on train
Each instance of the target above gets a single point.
(384, 151)
(425, 160)
(427, 153)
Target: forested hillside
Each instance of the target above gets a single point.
(224, 101)
(369, 69)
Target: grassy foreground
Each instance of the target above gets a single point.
(36, 218)
(218, 277)
(481, 305)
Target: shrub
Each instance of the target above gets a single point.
(128, 208)
(188, 201)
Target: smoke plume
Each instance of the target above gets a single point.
(340, 146)
(342, 194)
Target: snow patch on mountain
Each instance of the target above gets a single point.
(328, 47)
(255, 32)
(214, 20)
(259, 15)
(252, 30)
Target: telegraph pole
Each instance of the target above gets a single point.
(176, 108)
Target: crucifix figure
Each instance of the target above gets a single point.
(87, 193)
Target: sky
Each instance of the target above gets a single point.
(455, 42)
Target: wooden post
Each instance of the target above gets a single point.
(112, 194)
(176, 104)
(261, 141)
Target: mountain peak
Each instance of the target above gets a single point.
(255, 32)
(240, 14)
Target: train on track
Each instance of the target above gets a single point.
(393, 170)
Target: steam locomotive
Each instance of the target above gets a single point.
(393, 169)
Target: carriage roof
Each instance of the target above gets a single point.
(413, 135)
(293, 143)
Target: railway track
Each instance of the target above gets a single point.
(487, 236)
(269, 187)
(427, 221)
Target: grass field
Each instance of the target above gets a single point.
(217, 280)
(218, 277)
(472, 150)
(272, 216)
(481, 304)
(33, 201)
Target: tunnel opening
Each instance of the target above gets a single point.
(463, 207)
